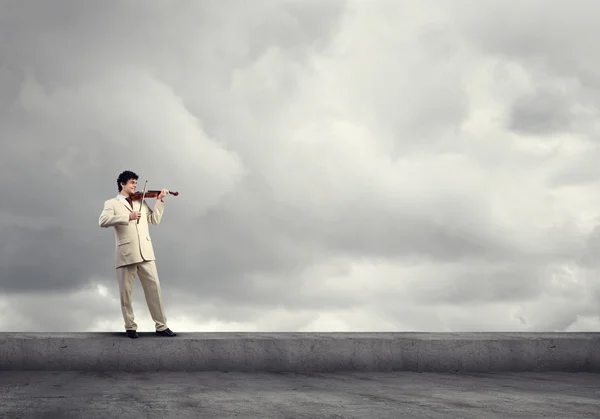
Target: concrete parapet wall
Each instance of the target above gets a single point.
(302, 352)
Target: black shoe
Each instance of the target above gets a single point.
(132, 334)
(166, 332)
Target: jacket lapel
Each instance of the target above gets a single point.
(125, 204)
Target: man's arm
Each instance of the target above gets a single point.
(108, 217)
(154, 216)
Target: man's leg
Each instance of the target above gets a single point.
(126, 276)
(151, 285)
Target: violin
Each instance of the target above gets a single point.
(149, 194)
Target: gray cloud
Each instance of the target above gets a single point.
(341, 165)
(541, 113)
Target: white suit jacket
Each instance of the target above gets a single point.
(132, 240)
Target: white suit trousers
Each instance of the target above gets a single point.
(148, 275)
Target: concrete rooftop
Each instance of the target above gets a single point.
(300, 375)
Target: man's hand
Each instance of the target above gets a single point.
(162, 194)
(134, 215)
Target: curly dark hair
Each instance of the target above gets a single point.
(124, 178)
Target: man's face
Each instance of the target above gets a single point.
(130, 186)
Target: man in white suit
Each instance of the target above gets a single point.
(134, 254)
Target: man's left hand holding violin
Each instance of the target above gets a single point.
(163, 193)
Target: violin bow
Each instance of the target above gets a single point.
(142, 200)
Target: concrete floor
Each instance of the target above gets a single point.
(270, 395)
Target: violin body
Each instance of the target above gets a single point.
(149, 194)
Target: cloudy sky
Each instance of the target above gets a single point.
(342, 165)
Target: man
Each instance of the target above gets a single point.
(134, 254)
